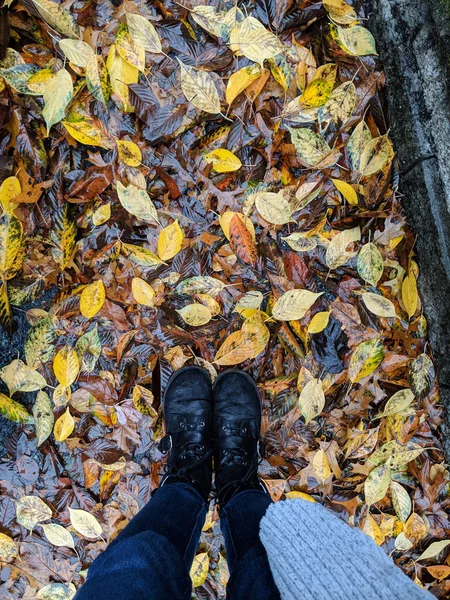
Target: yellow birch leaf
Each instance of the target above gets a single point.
(400, 501)
(370, 263)
(336, 254)
(294, 305)
(43, 417)
(372, 529)
(240, 80)
(13, 411)
(199, 569)
(66, 365)
(346, 190)
(341, 102)
(86, 133)
(141, 256)
(377, 483)
(225, 221)
(170, 241)
(274, 207)
(356, 41)
(57, 17)
(195, 314)
(376, 154)
(85, 524)
(92, 299)
(78, 52)
(311, 148)
(97, 79)
(223, 160)
(143, 292)
(319, 322)
(143, 401)
(410, 295)
(199, 88)
(317, 93)
(63, 426)
(9, 189)
(137, 202)
(210, 303)
(102, 214)
(58, 535)
(143, 33)
(365, 359)
(256, 42)
(57, 95)
(61, 395)
(415, 528)
(397, 403)
(121, 75)
(312, 400)
(129, 152)
(321, 466)
(379, 305)
(31, 510)
(299, 496)
(8, 548)
(131, 52)
(359, 139)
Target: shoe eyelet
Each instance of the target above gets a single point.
(181, 424)
(224, 428)
(202, 424)
(244, 430)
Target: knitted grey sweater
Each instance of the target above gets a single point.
(314, 555)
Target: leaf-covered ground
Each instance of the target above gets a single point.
(211, 184)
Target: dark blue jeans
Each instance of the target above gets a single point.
(151, 558)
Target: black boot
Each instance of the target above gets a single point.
(237, 424)
(187, 407)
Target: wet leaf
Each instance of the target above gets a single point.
(337, 254)
(421, 375)
(319, 322)
(58, 535)
(200, 285)
(294, 304)
(274, 208)
(85, 524)
(66, 365)
(57, 17)
(57, 95)
(14, 411)
(223, 161)
(8, 548)
(377, 483)
(143, 33)
(242, 242)
(379, 305)
(225, 221)
(92, 299)
(195, 314)
(240, 81)
(20, 377)
(199, 88)
(56, 591)
(170, 241)
(137, 202)
(370, 263)
(88, 348)
(415, 528)
(63, 426)
(434, 549)
(199, 569)
(365, 359)
(129, 152)
(311, 148)
(357, 40)
(43, 417)
(397, 403)
(401, 501)
(78, 52)
(143, 292)
(410, 296)
(31, 510)
(346, 190)
(312, 400)
(321, 466)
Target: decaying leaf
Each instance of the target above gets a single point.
(31, 510)
(85, 524)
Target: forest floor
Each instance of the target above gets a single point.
(210, 184)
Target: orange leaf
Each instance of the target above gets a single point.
(241, 241)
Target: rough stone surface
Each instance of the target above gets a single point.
(413, 40)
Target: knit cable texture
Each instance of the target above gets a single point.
(314, 555)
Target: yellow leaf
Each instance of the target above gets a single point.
(31, 510)
(13, 411)
(336, 254)
(63, 426)
(143, 292)
(377, 483)
(66, 366)
(129, 152)
(415, 528)
(58, 535)
(195, 314)
(225, 221)
(240, 80)
(356, 41)
(223, 160)
(321, 466)
(434, 549)
(137, 202)
(210, 303)
(143, 401)
(370, 263)
(77, 51)
(244, 344)
(121, 75)
(365, 359)
(400, 501)
(86, 133)
(20, 377)
(346, 190)
(199, 88)
(319, 322)
(341, 102)
(299, 496)
(294, 305)
(376, 154)
(317, 93)
(275, 208)
(256, 42)
(92, 299)
(61, 395)
(170, 241)
(143, 33)
(85, 523)
(9, 189)
(8, 548)
(410, 295)
(57, 95)
(397, 403)
(379, 305)
(439, 571)
(372, 529)
(199, 569)
(129, 50)
(102, 214)
(312, 400)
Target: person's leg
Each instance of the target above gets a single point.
(250, 575)
(242, 497)
(150, 559)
